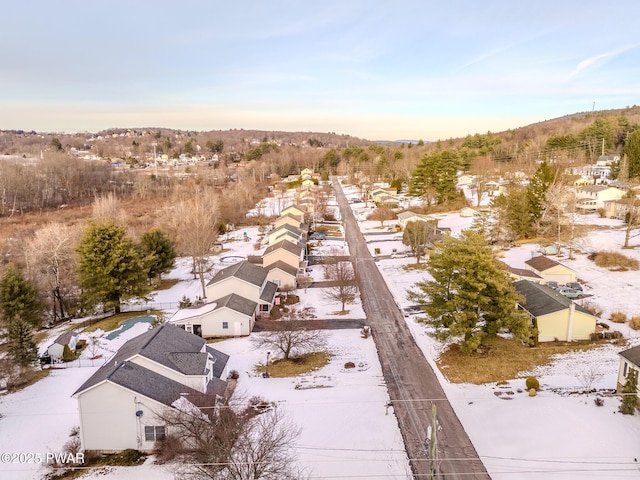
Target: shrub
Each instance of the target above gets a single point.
(81, 344)
(635, 322)
(349, 365)
(234, 374)
(618, 317)
(614, 261)
(167, 449)
(376, 251)
(532, 383)
(67, 354)
(593, 309)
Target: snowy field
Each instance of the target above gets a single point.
(346, 430)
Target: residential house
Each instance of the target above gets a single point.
(308, 182)
(629, 359)
(550, 270)
(292, 220)
(285, 251)
(620, 208)
(555, 316)
(385, 198)
(122, 403)
(247, 280)
(56, 349)
(408, 216)
(295, 211)
(592, 197)
(524, 274)
(283, 275)
(286, 232)
(229, 316)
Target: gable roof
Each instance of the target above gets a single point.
(285, 267)
(65, 338)
(286, 216)
(285, 245)
(269, 292)
(632, 354)
(542, 263)
(244, 270)
(167, 345)
(233, 301)
(288, 228)
(237, 303)
(522, 272)
(542, 300)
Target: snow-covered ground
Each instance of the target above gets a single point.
(346, 430)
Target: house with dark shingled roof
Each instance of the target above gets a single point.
(120, 403)
(555, 316)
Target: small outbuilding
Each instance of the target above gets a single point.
(56, 349)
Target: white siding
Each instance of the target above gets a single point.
(233, 285)
(108, 418)
(197, 382)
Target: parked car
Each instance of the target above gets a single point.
(553, 285)
(317, 236)
(574, 285)
(569, 292)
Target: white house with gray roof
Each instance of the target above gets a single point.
(246, 280)
(120, 403)
(229, 316)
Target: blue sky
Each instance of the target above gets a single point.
(375, 69)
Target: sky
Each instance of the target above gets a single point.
(374, 69)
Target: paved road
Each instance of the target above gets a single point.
(413, 386)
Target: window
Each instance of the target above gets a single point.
(153, 434)
(225, 324)
(264, 308)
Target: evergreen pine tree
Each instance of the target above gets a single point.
(630, 394)
(18, 299)
(470, 297)
(159, 250)
(112, 268)
(22, 347)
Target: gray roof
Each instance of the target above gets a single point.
(542, 300)
(145, 382)
(632, 354)
(65, 338)
(595, 188)
(237, 303)
(168, 345)
(269, 292)
(287, 228)
(285, 245)
(285, 267)
(219, 361)
(244, 270)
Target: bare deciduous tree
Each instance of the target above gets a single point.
(417, 236)
(51, 262)
(589, 375)
(253, 441)
(343, 287)
(195, 222)
(291, 338)
(381, 214)
(105, 208)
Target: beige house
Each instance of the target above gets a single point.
(295, 211)
(620, 208)
(592, 197)
(288, 219)
(629, 359)
(555, 316)
(246, 280)
(160, 370)
(283, 275)
(285, 251)
(524, 274)
(550, 270)
(229, 316)
(408, 216)
(285, 232)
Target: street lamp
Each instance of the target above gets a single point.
(266, 368)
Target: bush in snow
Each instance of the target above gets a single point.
(618, 317)
(532, 382)
(635, 322)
